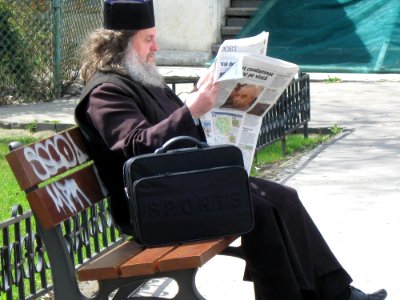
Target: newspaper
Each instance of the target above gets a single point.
(250, 83)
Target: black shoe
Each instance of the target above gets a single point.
(356, 294)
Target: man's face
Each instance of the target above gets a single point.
(244, 96)
(145, 44)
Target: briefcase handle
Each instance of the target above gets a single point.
(171, 144)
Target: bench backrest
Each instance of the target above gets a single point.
(60, 180)
(40, 167)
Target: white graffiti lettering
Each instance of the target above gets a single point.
(67, 196)
(49, 157)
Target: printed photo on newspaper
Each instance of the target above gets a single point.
(250, 84)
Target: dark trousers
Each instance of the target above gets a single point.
(286, 255)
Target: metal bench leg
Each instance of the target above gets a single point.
(187, 285)
(125, 287)
(125, 291)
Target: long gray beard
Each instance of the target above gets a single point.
(143, 72)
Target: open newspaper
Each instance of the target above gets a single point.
(250, 83)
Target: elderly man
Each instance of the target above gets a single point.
(127, 110)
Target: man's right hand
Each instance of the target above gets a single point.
(203, 100)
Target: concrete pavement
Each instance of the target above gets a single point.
(351, 186)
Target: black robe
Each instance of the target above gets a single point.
(286, 256)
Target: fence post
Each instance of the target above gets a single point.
(57, 47)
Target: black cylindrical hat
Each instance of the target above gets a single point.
(128, 14)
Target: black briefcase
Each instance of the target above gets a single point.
(187, 194)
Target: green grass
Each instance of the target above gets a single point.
(294, 143)
(10, 193)
(333, 80)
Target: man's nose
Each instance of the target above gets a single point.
(155, 46)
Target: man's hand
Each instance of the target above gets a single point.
(202, 100)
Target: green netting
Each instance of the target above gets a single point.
(360, 36)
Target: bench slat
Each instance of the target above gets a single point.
(131, 259)
(49, 157)
(145, 263)
(107, 266)
(193, 255)
(67, 196)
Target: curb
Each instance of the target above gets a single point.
(306, 159)
(36, 127)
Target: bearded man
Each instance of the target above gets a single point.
(127, 110)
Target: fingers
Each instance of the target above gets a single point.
(207, 77)
(203, 100)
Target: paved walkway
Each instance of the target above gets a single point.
(351, 187)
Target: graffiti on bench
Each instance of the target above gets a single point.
(67, 195)
(52, 155)
(47, 158)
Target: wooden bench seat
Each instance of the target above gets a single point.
(60, 182)
(131, 259)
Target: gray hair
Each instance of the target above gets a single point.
(105, 51)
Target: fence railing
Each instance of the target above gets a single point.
(23, 262)
(25, 272)
(290, 112)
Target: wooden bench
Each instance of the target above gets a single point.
(60, 182)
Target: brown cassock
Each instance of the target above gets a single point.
(286, 256)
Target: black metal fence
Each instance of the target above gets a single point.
(23, 262)
(25, 272)
(291, 111)
(39, 40)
